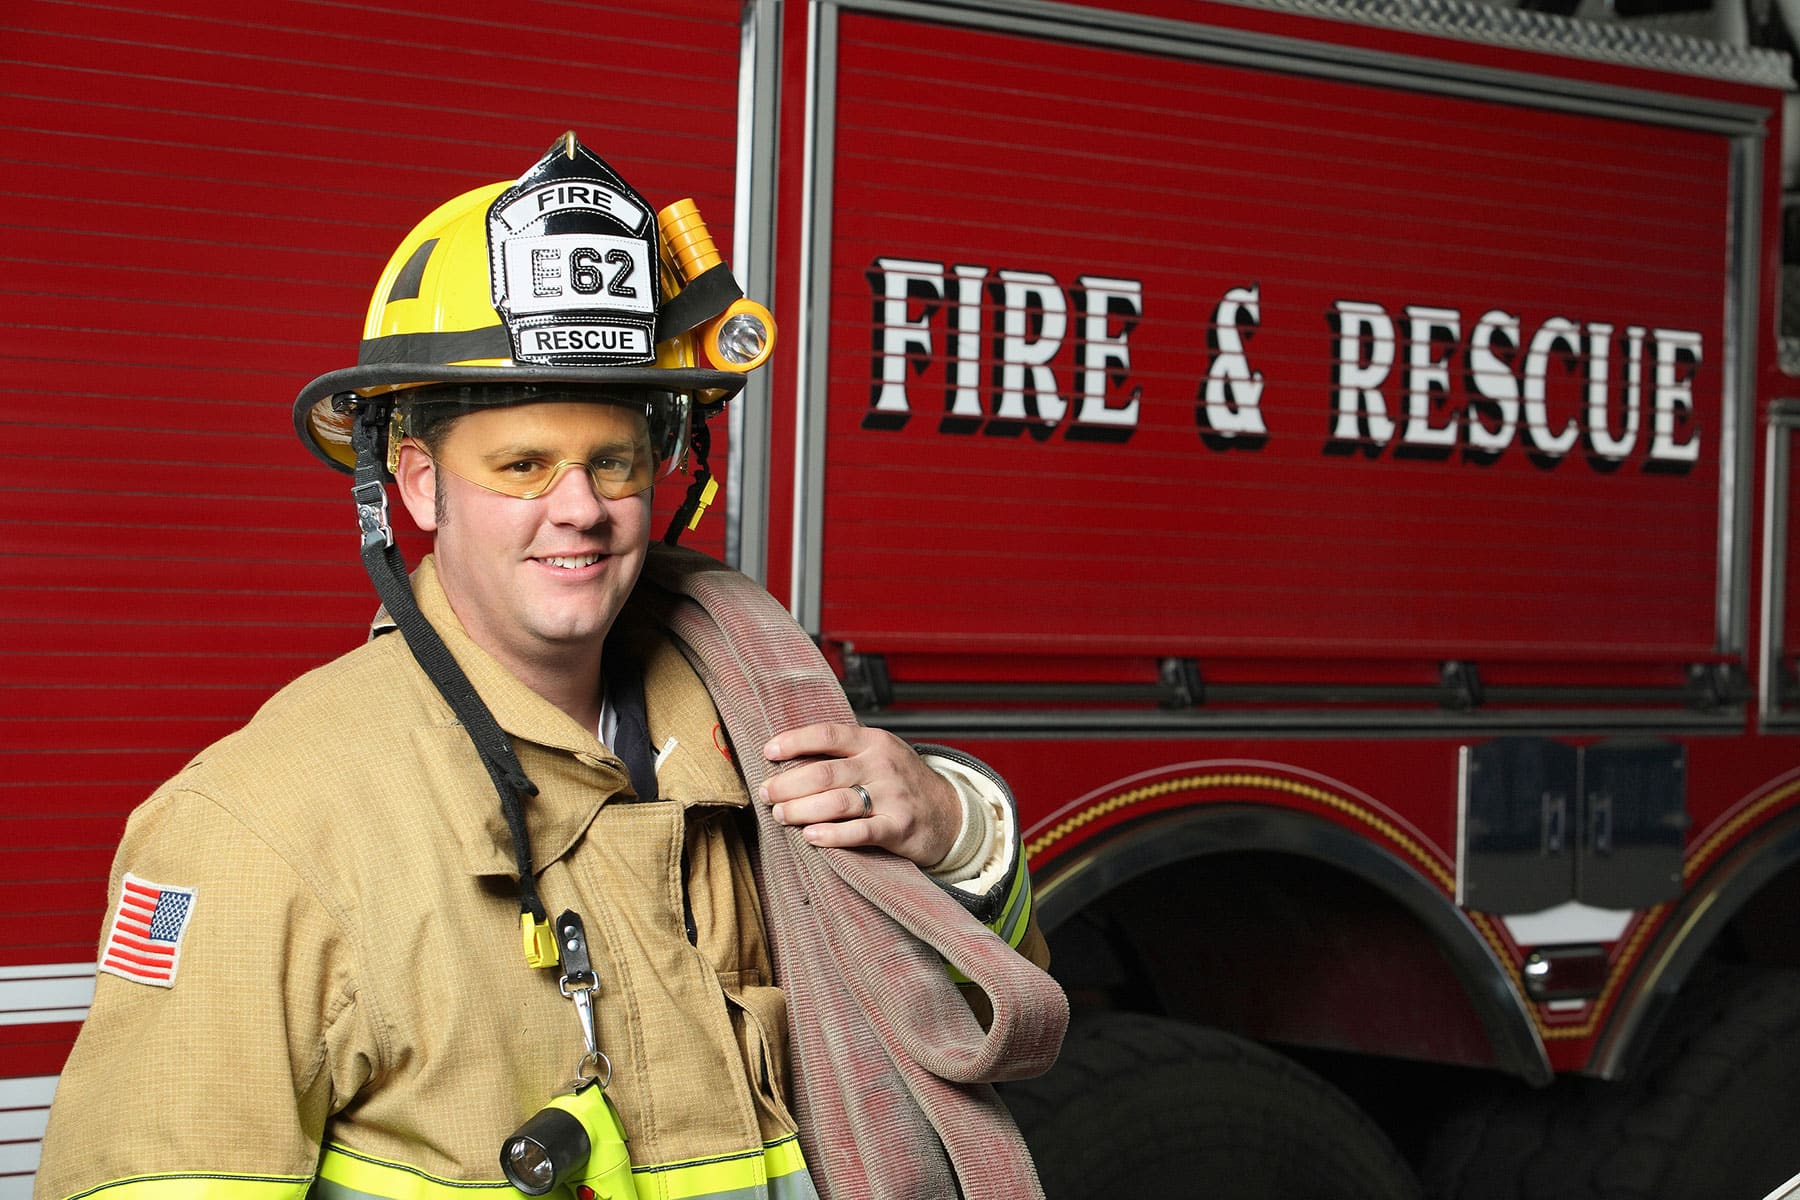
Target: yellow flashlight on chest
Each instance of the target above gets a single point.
(574, 1146)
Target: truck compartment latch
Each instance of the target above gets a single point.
(1461, 684)
(866, 682)
(1182, 684)
(1712, 686)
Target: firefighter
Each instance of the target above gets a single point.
(310, 979)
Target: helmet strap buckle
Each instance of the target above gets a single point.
(369, 492)
(372, 515)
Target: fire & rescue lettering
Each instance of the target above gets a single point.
(1427, 383)
(1231, 397)
(1033, 324)
(1506, 375)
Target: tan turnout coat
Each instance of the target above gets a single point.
(354, 942)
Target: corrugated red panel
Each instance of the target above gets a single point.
(195, 207)
(1083, 166)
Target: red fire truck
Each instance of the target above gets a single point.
(1331, 455)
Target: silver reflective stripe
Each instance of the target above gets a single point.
(324, 1189)
(1011, 925)
(797, 1185)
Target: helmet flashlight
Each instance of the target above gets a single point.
(740, 338)
(575, 1146)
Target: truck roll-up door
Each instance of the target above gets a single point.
(197, 200)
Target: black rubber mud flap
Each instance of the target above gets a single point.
(1146, 1106)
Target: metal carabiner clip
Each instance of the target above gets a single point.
(578, 982)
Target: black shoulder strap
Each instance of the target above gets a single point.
(387, 571)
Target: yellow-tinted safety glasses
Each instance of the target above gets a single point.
(518, 440)
(616, 471)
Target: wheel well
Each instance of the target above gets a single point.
(1742, 911)
(1282, 928)
(1761, 933)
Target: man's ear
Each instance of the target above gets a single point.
(416, 476)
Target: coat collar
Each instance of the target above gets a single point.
(575, 774)
(517, 709)
(699, 768)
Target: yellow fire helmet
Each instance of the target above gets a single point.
(563, 277)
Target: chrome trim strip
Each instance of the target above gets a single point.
(1617, 41)
(753, 258)
(1784, 419)
(947, 724)
(1463, 762)
(815, 315)
(1737, 399)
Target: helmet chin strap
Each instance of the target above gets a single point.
(699, 494)
(387, 571)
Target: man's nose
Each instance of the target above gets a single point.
(572, 495)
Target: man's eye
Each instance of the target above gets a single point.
(523, 466)
(612, 466)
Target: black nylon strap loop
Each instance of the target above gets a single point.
(706, 296)
(387, 571)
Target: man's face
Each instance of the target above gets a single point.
(531, 580)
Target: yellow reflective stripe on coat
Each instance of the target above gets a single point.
(202, 1187)
(778, 1168)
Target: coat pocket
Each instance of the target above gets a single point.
(759, 1018)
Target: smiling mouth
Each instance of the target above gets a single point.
(573, 562)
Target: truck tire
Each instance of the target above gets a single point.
(1145, 1106)
(1710, 1114)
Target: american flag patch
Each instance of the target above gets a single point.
(144, 942)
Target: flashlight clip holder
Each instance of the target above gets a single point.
(578, 982)
(574, 1146)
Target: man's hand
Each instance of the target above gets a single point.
(911, 809)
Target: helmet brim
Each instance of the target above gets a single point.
(325, 427)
